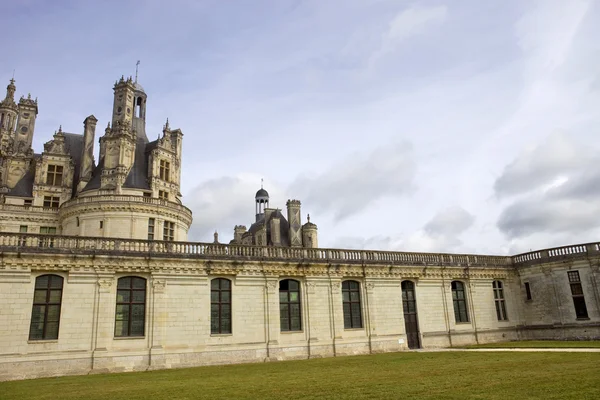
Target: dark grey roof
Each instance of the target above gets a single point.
(74, 144)
(138, 175)
(24, 188)
(262, 193)
(283, 225)
(94, 183)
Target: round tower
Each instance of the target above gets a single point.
(9, 109)
(309, 234)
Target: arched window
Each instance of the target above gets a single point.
(220, 306)
(460, 302)
(45, 316)
(499, 300)
(290, 316)
(351, 301)
(131, 306)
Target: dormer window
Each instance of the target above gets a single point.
(163, 195)
(165, 170)
(54, 176)
(51, 201)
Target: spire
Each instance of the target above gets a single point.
(261, 183)
(10, 91)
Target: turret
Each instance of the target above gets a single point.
(8, 113)
(294, 219)
(309, 234)
(262, 202)
(238, 232)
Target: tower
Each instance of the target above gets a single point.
(8, 118)
(28, 111)
(262, 202)
(123, 103)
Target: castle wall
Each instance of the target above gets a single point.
(177, 313)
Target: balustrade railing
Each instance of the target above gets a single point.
(73, 244)
(126, 198)
(28, 208)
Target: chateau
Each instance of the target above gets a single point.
(96, 274)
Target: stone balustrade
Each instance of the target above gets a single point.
(23, 208)
(115, 198)
(38, 243)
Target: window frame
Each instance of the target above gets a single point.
(47, 303)
(164, 170)
(131, 289)
(576, 287)
(528, 295)
(169, 231)
(349, 311)
(54, 177)
(163, 195)
(151, 228)
(51, 201)
(289, 303)
(223, 328)
(499, 300)
(460, 317)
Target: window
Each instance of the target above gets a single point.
(77, 221)
(22, 229)
(499, 300)
(131, 306)
(169, 231)
(220, 306)
(27, 203)
(351, 301)
(289, 306)
(460, 302)
(528, 291)
(54, 176)
(47, 230)
(577, 292)
(163, 195)
(165, 169)
(147, 194)
(45, 316)
(51, 201)
(151, 222)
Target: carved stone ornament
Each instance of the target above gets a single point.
(370, 286)
(311, 286)
(271, 286)
(105, 284)
(159, 285)
(336, 286)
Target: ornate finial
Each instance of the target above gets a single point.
(216, 235)
(28, 96)
(60, 129)
(136, 70)
(166, 127)
(308, 218)
(261, 182)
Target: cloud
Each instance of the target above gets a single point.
(566, 177)
(408, 23)
(541, 165)
(451, 221)
(221, 203)
(355, 183)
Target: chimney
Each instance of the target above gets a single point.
(87, 153)
(294, 219)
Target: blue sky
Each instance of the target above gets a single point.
(464, 126)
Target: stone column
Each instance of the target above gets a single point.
(158, 323)
(105, 315)
(272, 317)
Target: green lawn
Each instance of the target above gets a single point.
(538, 344)
(449, 375)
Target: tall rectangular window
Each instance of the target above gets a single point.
(151, 222)
(131, 306)
(51, 201)
(528, 291)
(220, 306)
(45, 316)
(290, 316)
(577, 293)
(22, 229)
(165, 170)
(499, 300)
(459, 299)
(54, 175)
(169, 231)
(351, 304)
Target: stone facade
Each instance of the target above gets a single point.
(132, 192)
(102, 279)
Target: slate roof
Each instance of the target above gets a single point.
(284, 226)
(74, 145)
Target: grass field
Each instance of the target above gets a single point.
(538, 344)
(448, 375)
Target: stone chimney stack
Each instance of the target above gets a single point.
(238, 232)
(275, 231)
(87, 153)
(295, 221)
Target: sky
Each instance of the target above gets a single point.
(441, 126)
